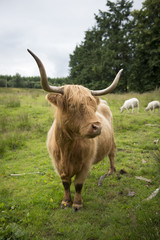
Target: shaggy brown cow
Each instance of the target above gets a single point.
(81, 135)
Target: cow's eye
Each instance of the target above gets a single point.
(72, 107)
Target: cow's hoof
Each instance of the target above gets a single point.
(76, 207)
(111, 171)
(65, 204)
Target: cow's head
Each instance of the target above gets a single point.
(76, 105)
(76, 111)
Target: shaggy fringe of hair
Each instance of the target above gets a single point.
(79, 96)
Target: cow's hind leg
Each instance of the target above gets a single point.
(67, 201)
(112, 166)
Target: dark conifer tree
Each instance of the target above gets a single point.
(146, 39)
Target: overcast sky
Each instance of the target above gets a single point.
(50, 28)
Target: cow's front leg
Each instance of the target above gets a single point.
(77, 203)
(78, 183)
(67, 200)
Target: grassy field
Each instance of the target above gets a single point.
(30, 202)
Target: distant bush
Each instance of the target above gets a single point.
(2, 82)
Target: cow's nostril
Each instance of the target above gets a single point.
(96, 127)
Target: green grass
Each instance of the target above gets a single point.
(30, 203)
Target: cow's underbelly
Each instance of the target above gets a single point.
(70, 161)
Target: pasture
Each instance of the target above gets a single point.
(31, 192)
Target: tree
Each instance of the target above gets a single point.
(146, 65)
(106, 48)
(116, 27)
(17, 81)
(3, 82)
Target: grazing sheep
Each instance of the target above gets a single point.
(152, 105)
(131, 103)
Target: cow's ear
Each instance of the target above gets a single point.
(97, 100)
(56, 99)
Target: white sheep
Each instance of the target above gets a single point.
(152, 105)
(131, 103)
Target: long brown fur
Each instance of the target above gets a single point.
(72, 146)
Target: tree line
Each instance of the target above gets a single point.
(17, 81)
(120, 38)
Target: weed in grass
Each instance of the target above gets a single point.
(13, 103)
(13, 231)
(2, 147)
(12, 141)
(156, 156)
(23, 122)
(3, 124)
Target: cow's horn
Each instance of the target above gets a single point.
(44, 80)
(108, 89)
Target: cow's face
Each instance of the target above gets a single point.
(77, 111)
